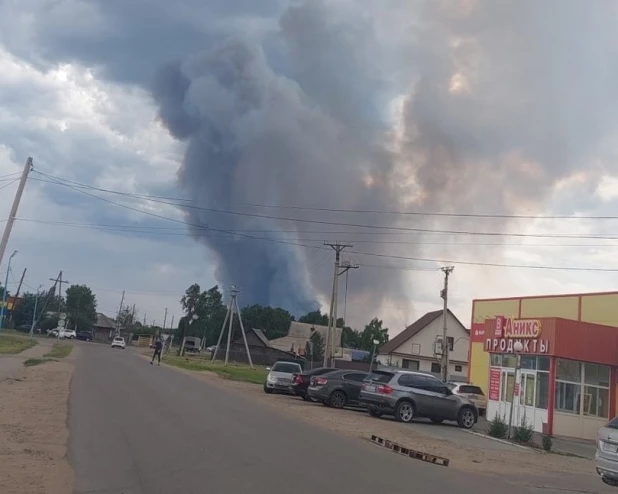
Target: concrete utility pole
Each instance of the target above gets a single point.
(164, 319)
(332, 323)
(230, 315)
(16, 296)
(9, 224)
(119, 312)
(59, 281)
(447, 271)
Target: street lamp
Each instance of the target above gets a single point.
(373, 351)
(517, 348)
(36, 302)
(4, 293)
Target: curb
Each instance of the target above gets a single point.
(403, 450)
(503, 441)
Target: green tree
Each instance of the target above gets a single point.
(351, 338)
(314, 317)
(317, 352)
(373, 331)
(81, 306)
(24, 309)
(274, 321)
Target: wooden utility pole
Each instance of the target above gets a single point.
(230, 316)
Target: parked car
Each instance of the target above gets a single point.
(408, 395)
(279, 377)
(69, 334)
(52, 333)
(471, 391)
(300, 382)
(338, 388)
(85, 336)
(118, 342)
(606, 456)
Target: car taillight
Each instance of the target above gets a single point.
(384, 389)
(321, 381)
(298, 379)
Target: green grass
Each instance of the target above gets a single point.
(235, 372)
(14, 344)
(31, 362)
(59, 351)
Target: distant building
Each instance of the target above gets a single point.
(299, 335)
(103, 329)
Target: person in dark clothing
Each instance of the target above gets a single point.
(157, 352)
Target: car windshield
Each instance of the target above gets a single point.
(118, 339)
(285, 367)
(613, 423)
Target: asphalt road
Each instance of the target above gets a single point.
(142, 429)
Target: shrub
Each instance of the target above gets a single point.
(547, 443)
(498, 427)
(524, 432)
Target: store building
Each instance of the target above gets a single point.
(569, 360)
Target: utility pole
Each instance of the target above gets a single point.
(332, 323)
(164, 319)
(230, 316)
(34, 318)
(59, 281)
(447, 270)
(16, 296)
(133, 315)
(118, 317)
(9, 223)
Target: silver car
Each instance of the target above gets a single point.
(279, 377)
(607, 453)
(408, 395)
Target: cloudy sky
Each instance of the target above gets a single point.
(226, 141)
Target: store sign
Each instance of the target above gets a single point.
(505, 345)
(509, 327)
(494, 384)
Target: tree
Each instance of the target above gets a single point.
(350, 338)
(274, 321)
(317, 352)
(81, 306)
(373, 331)
(314, 317)
(24, 309)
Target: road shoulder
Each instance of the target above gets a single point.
(33, 429)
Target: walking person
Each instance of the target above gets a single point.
(157, 352)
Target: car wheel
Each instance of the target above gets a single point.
(466, 418)
(437, 421)
(375, 412)
(405, 412)
(338, 399)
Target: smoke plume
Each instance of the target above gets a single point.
(500, 100)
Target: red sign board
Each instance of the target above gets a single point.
(494, 384)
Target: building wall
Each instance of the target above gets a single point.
(424, 365)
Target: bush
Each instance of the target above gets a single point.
(547, 443)
(524, 432)
(498, 427)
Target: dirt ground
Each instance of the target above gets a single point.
(471, 453)
(33, 430)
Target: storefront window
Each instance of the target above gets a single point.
(568, 370)
(542, 363)
(509, 361)
(507, 390)
(528, 362)
(542, 390)
(567, 397)
(526, 397)
(496, 360)
(596, 401)
(597, 375)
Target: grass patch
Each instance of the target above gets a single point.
(235, 372)
(59, 351)
(31, 362)
(14, 344)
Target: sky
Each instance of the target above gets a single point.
(225, 142)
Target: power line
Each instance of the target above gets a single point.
(10, 183)
(322, 222)
(470, 263)
(343, 210)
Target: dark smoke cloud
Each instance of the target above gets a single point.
(311, 136)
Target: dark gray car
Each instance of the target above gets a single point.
(408, 395)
